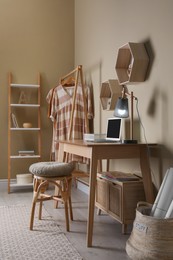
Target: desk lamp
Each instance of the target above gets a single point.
(122, 110)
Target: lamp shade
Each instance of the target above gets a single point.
(121, 109)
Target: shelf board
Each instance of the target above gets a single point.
(25, 105)
(24, 85)
(24, 129)
(24, 156)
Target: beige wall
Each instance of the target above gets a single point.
(36, 36)
(101, 27)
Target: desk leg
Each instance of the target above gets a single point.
(91, 206)
(60, 159)
(61, 155)
(146, 174)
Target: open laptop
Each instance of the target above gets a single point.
(113, 131)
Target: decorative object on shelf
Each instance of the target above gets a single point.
(26, 153)
(122, 110)
(23, 179)
(110, 91)
(14, 121)
(27, 125)
(132, 63)
(23, 98)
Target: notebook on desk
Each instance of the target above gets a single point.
(113, 131)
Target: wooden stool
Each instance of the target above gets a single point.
(58, 174)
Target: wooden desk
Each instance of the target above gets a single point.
(99, 151)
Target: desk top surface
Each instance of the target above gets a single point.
(86, 143)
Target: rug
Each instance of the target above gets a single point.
(45, 242)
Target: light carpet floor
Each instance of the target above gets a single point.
(45, 242)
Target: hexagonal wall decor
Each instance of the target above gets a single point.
(110, 92)
(132, 63)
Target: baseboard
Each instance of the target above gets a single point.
(83, 187)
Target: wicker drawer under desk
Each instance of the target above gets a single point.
(119, 198)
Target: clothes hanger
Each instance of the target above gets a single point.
(70, 79)
(68, 82)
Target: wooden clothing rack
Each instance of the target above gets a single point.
(78, 73)
(74, 81)
(68, 80)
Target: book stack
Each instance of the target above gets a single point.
(26, 153)
(118, 176)
(93, 137)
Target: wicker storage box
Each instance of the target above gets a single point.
(119, 198)
(151, 238)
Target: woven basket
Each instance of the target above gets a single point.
(151, 238)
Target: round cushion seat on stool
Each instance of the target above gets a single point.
(51, 169)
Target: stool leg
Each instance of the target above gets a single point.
(65, 198)
(69, 197)
(67, 187)
(70, 207)
(38, 187)
(66, 215)
(32, 215)
(57, 193)
(33, 204)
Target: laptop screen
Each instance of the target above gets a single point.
(114, 129)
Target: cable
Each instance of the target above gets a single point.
(148, 149)
(139, 117)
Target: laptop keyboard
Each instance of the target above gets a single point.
(104, 141)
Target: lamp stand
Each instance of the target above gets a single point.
(131, 140)
(131, 118)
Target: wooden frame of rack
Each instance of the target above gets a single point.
(75, 77)
(78, 74)
(11, 129)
